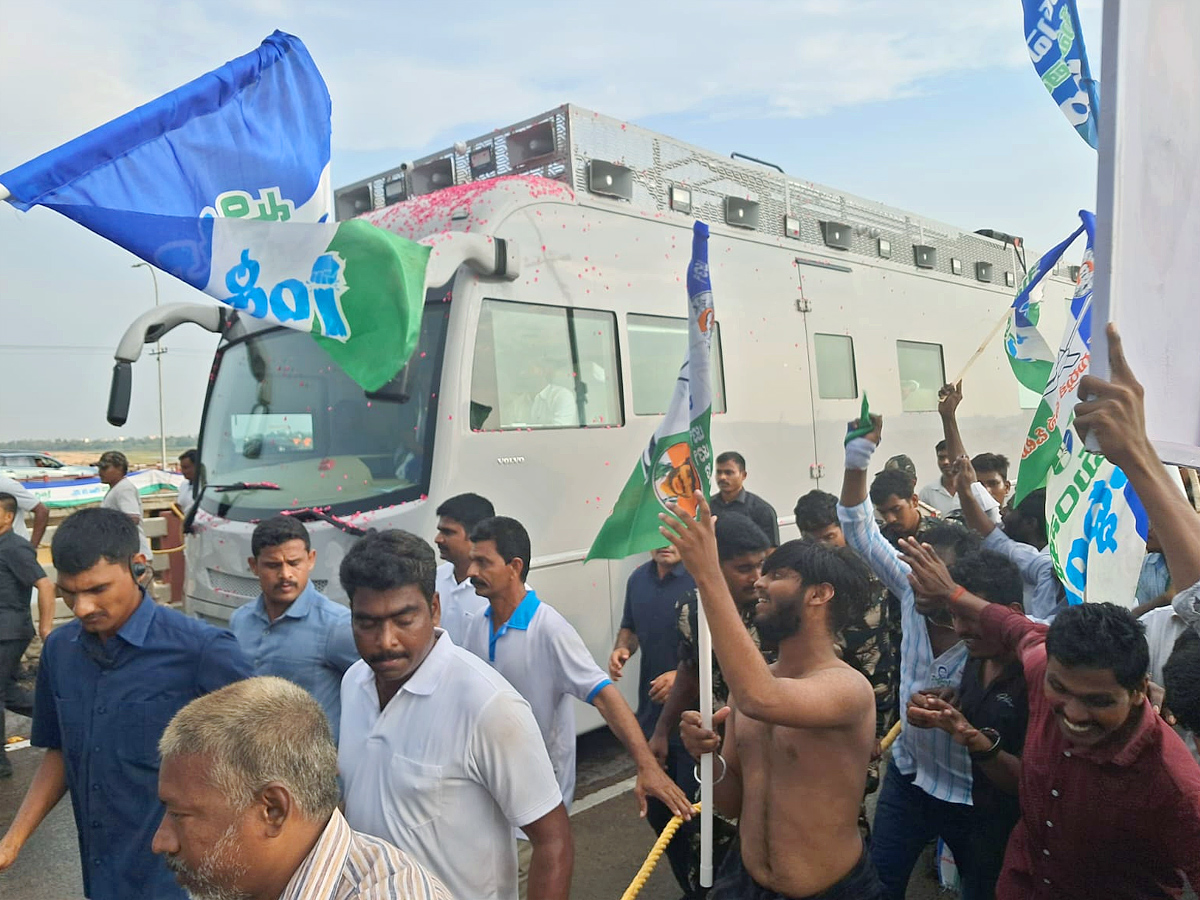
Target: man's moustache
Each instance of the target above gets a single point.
(386, 657)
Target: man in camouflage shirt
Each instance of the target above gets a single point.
(741, 546)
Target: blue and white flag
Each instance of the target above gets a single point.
(225, 184)
(1096, 525)
(1055, 44)
(1028, 353)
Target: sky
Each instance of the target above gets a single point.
(929, 106)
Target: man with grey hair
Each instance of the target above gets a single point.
(249, 782)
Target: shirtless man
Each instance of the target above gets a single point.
(799, 734)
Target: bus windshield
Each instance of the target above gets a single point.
(285, 428)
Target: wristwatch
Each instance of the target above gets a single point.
(982, 756)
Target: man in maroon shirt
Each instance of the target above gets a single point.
(1110, 797)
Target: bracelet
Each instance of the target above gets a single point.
(990, 752)
(957, 593)
(719, 778)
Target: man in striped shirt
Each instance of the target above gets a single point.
(927, 789)
(249, 781)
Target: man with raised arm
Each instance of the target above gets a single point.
(929, 780)
(1110, 798)
(1022, 541)
(799, 734)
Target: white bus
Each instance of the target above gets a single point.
(559, 253)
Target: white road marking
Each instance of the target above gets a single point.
(603, 795)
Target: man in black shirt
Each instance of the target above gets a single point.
(732, 497)
(648, 624)
(989, 719)
(19, 573)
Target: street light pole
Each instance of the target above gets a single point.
(158, 354)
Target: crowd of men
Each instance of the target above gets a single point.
(421, 742)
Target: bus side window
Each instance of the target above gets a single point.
(544, 367)
(834, 361)
(657, 346)
(922, 374)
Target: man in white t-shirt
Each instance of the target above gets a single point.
(541, 655)
(1164, 626)
(438, 753)
(122, 493)
(456, 517)
(26, 503)
(189, 467)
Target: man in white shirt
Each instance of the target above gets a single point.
(189, 461)
(122, 493)
(438, 754)
(544, 658)
(26, 503)
(942, 494)
(1164, 627)
(456, 517)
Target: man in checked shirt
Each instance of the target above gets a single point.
(249, 781)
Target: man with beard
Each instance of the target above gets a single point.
(249, 783)
(438, 753)
(107, 685)
(741, 548)
(798, 734)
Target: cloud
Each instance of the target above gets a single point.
(405, 79)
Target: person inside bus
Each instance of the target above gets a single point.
(456, 517)
(250, 785)
(732, 496)
(439, 754)
(792, 765)
(291, 629)
(552, 405)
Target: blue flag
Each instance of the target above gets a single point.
(225, 184)
(1055, 44)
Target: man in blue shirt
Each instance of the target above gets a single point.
(292, 630)
(108, 684)
(648, 624)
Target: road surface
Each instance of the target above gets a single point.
(610, 840)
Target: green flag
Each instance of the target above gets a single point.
(678, 460)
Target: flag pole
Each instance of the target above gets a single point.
(983, 346)
(706, 760)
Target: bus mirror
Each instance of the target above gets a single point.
(119, 392)
(395, 391)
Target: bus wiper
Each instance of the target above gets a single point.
(245, 486)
